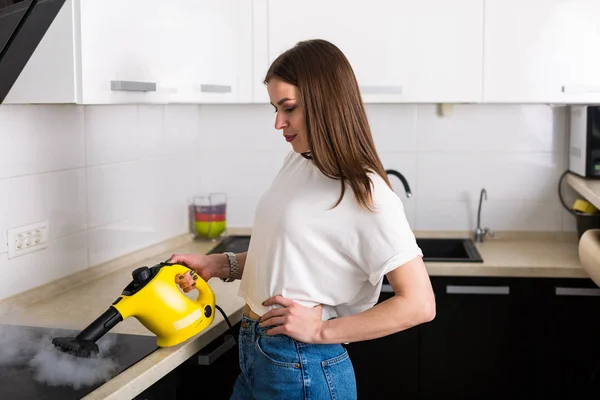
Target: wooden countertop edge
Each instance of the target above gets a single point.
(505, 271)
(588, 188)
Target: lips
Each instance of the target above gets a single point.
(289, 138)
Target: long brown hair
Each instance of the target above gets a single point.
(339, 136)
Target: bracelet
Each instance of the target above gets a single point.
(233, 267)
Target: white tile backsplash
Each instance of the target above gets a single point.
(111, 134)
(59, 197)
(505, 176)
(240, 211)
(240, 127)
(444, 215)
(150, 139)
(112, 240)
(240, 173)
(182, 129)
(501, 215)
(63, 257)
(113, 192)
(393, 126)
(491, 128)
(38, 139)
(114, 179)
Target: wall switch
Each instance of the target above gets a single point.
(27, 239)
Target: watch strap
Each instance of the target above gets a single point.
(233, 267)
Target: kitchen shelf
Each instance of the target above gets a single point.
(588, 188)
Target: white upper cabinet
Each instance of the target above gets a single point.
(542, 51)
(212, 51)
(142, 51)
(401, 51)
(124, 51)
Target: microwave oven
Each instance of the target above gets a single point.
(584, 141)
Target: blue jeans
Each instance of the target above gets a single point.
(279, 367)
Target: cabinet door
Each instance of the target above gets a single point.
(401, 51)
(574, 324)
(123, 51)
(212, 51)
(468, 351)
(387, 367)
(217, 375)
(542, 51)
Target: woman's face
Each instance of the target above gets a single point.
(290, 115)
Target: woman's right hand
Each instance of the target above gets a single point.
(200, 265)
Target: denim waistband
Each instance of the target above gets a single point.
(250, 326)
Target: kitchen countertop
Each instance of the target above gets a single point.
(507, 254)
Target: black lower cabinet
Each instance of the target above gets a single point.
(166, 388)
(387, 368)
(468, 351)
(212, 372)
(512, 338)
(572, 316)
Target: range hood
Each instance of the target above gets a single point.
(23, 24)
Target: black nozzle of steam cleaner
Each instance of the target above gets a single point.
(84, 344)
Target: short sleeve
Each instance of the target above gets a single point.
(382, 239)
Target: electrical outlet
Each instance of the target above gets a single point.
(27, 239)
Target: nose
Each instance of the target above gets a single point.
(280, 121)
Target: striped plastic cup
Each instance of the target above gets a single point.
(210, 215)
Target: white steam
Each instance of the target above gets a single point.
(20, 348)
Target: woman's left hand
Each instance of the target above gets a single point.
(294, 320)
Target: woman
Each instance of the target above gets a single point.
(325, 234)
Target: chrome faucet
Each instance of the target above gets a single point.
(402, 179)
(479, 231)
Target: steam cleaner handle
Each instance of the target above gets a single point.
(205, 293)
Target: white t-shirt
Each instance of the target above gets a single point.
(305, 250)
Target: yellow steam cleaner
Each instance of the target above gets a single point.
(154, 299)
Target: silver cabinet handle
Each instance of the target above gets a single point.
(208, 359)
(132, 86)
(567, 291)
(381, 89)
(452, 289)
(387, 289)
(581, 89)
(207, 88)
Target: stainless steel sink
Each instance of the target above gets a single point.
(449, 250)
(434, 249)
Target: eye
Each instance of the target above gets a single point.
(289, 110)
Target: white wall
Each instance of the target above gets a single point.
(113, 179)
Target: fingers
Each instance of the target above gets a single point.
(278, 300)
(178, 259)
(278, 330)
(273, 321)
(187, 281)
(276, 312)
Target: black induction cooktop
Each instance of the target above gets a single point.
(30, 367)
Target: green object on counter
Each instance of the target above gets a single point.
(210, 229)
